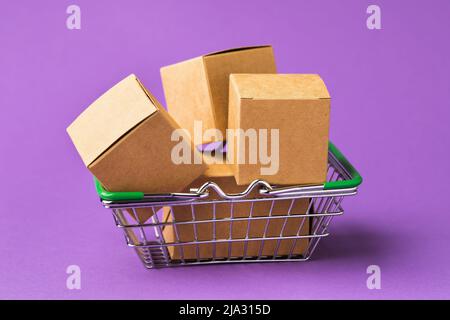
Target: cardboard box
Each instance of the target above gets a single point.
(223, 176)
(124, 139)
(298, 106)
(197, 89)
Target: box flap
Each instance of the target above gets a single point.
(235, 50)
(280, 86)
(110, 117)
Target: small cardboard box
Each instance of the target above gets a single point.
(197, 89)
(223, 176)
(124, 139)
(294, 106)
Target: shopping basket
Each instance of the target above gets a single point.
(324, 203)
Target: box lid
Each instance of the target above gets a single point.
(279, 86)
(110, 117)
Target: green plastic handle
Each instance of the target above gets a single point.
(356, 179)
(344, 184)
(116, 196)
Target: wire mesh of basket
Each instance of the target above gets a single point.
(264, 223)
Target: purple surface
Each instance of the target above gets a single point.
(390, 114)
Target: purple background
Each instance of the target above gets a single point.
(390, 114)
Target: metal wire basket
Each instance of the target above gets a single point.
(262, 224)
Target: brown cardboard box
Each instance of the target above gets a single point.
(197, 89)
(298, 105)
(223, 176)
(124, 139)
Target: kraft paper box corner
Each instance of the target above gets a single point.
(124, 139)
(298, 106)
(197, 89)
(222, 174)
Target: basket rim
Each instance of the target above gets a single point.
(354, 181)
